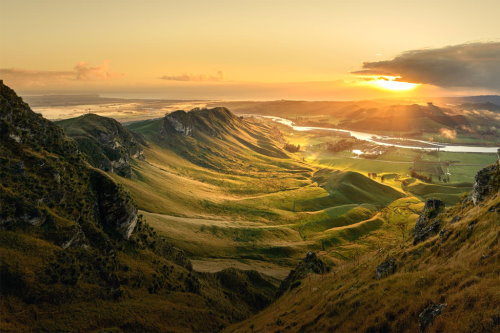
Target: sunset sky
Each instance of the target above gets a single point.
(274, 49)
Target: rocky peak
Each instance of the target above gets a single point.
(428, 224)
(20, 125)
(197, 122)
(486, 183)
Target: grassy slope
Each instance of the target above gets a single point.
(253, 207)
(262, 208)
(460, 271)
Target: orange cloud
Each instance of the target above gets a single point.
(81, 72)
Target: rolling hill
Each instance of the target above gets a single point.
(443, 279)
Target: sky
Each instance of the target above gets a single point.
(258, 49)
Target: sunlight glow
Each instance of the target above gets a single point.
(390, 83)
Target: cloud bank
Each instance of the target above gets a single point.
(219, 76)
(473, 65)
(80, 72)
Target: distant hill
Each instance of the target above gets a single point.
(480, 106)
(107, 144)
(495, 99)
(359, 115)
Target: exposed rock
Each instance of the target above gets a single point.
(107, 144)
(116, 212)
(385, 269)
(428, 224)
(487, 182)
(310, 264)
(77, 240)
(198, 122)
(426, 317)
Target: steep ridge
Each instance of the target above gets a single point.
(444, 279)
(213, 138)
(107, 144)
(76, 256)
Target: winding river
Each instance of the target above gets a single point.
(382, 139)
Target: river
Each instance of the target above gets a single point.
(379, 139)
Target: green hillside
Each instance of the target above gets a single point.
(347, 187)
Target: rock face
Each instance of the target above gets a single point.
(426, 317)
(116, 212)
(428, 224)
(487, 182)
(106, 143)
(385, 269)
(310, 264)
(48, 188)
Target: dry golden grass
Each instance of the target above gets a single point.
(461, 271)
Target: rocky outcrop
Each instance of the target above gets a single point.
(428, 224)
(197, 123)
(106, 143)
(115, 209)
(486, 183)
(385, 269)
(310, 264)
(427, 316)
(48, 188)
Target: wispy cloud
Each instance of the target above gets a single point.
(81, 72)
(219, 76)
(475, 65)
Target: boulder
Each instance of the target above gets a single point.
(427, 316)
(385, 269)
(486, 183)
(428, 224)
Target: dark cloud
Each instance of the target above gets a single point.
(194, 77)
(475, 65)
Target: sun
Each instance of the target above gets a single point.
(390, 83)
